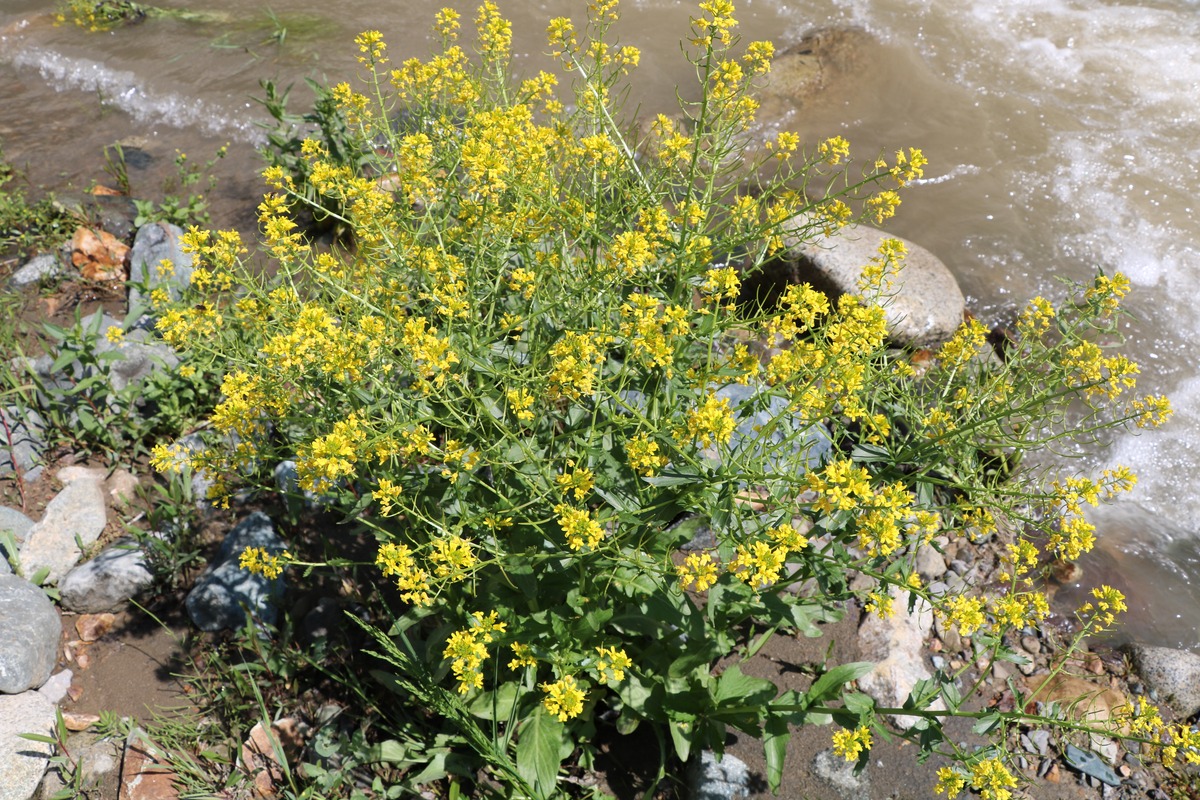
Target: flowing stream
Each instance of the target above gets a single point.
(1063, 135)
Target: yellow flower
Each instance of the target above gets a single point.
(711, 422)
(564, 698)
(578, 481)
(951, 782)
(580, 529)
(114, 334)
(260, 562)
(611, 664)
(698, 570)
(992, 779)
(849, 744)
(522, 656)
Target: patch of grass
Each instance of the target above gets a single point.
(26, 227)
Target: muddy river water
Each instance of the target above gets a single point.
(1063, 135)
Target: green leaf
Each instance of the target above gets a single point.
(497, 704)
(832, 681)
(987, 724)
(775, 739)
(675, 478)
(735, 688)
(537, 751)
(683, 734)
(859, 703)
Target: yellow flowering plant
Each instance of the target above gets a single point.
(537, 358)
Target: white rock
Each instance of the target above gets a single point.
(76, 516)
(22, 762)
(926, 306)
(897, 646)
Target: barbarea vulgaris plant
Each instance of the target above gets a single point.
(537, 358)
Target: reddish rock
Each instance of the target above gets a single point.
(92, 626)
(145, 773)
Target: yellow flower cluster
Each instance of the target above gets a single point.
(711, 422)
(611, 663)
(564, 698)
(399, 561)
(260, 562)
(467, 650)
(698, 571)
(850, 744)
(580, 528)
(643, 455)
(575, 358)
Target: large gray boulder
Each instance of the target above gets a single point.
(107, 581)
(75, 517)
(28, 636)
(926, 305)
(22, 762)
(225, 591)
(154, 243)
(1174, 674)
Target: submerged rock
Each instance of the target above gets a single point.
(808, 71)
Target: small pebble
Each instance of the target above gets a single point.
(1031, 645)
(938, 662)
(1027, 744)
(1041, 741)
(1022, 762)
(1045, 766)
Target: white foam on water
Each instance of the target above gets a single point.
(124, 90)
(1091, 109)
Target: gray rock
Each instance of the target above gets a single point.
(154, 243)
(136, 356)
(27, 445)
(107, 581)
(1040, 739)
(727, 779)
(40, 268)
(29, 636)
(201, 482)
(17, 524)
(56, 688)
(897, 646)
(76, 516)
(1173, 674)
(757, 412)
(931, 565)
(839, 774)
(926, 305)
(222, 593)
(22, 762)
